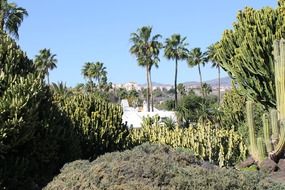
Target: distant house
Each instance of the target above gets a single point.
(134, 116)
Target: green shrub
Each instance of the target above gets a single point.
(98, 123)
(153, 167)
(36, 139)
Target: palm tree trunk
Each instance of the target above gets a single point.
(175, 83)
(201, 81)
(148, 89)
(219, 75)
(2, 16)
(48, 78)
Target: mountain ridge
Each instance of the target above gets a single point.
(225, 81)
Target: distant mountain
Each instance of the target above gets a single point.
(225, 82)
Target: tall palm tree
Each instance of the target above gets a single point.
(175, 49)
(212, 56)
(197, 58)
(11, 17)
(146, 49)
(45, 61)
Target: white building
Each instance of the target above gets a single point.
(134, 117)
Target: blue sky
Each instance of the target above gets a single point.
(93, 30)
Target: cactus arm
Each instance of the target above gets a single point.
(261, 149)
(277, 153)
(251, 128)
(266, 132)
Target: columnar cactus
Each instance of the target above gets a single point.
(275, 143)
(220, 146)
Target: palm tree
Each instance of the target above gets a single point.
(181, 89)
(61, 89)
(175, 49)
(45, 61)
(206, 89)
(146, 49)
(11, 17)
(95, 71)
(212, 56)
(85, 71)
(99, 72)
(196, 57)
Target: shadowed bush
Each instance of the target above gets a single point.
(153, 167)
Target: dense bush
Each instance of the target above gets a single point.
(153, 167)
(99, 124)
(40, 130)
(36, 139)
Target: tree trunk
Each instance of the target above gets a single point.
(201, 81)
(147, 92)
(48, 78)
(2, 16)
(150, 89)
(175, 83)
(219, 75)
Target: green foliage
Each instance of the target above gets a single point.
(176, 49)
(98, 123)
(35, 137)
(146, 48)
(233, 109)
(223, 147)
(245, 52)
(45, 61)
(277, 117)
(13, 61)
(154, 167)
(167, 105)
(197, 58)
(11, 17)
(192, 108)
(233, 113)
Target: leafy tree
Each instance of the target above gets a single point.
(45, 61)
(122, 93)
(245, 51)
(187, 110)
(11, 17)
(197, 58)
(146, 49)
(176, 49)
(212, 56)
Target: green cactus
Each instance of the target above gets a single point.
(266, 132)
(276, 144)
(100, 123)
(274, 124)
(220, 146)
(245, 52)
